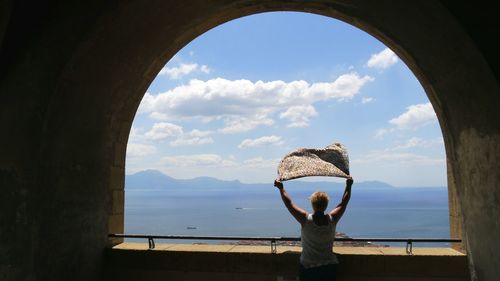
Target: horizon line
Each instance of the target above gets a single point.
(296, 180)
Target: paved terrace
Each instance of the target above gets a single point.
(133, 261)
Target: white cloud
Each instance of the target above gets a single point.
(178, 72)
(135, 135)
(163, 130)
(198, 133)
(395, 158)
(399, 155)
(134, 132)
(365, 100)
(158, 116)
(260, 162)
(262, 141)
(183, 69)
(137, 149)
(205, 69)
(413, 142)
(417, 115)
(418, 142)
(198, 160)
(191, 141)
(382, 60)
(299, 115)
(414, 117)
(195, 137)
(380, 133)
(244, 124)
(147, 103)
(243, 104)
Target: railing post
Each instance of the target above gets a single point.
(409, 247)
(151, 243)
(273, 247)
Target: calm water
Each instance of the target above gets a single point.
(416, 213)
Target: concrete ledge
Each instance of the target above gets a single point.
(133, 261)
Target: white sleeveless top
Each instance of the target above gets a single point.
(317, 243)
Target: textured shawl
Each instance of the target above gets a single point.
(331, 161)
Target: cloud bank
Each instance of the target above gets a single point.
(243, 105)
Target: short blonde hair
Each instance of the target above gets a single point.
(319, 201)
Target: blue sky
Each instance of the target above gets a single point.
(236, 99)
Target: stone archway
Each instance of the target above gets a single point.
(91, 65)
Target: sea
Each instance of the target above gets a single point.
(396, 213)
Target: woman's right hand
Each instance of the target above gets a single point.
(349, 181)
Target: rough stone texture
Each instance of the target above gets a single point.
(454, 209)
(72, 74)
(331, 161)
(481, 208)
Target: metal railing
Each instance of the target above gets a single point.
(409, 241)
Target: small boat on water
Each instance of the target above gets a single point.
(239, 208)
(191, 227)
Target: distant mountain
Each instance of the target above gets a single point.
(153, 179)
(149, 179)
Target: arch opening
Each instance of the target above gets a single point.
(165, 119)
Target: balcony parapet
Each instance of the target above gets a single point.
(135, 261)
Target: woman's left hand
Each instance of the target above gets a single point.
(278, 184)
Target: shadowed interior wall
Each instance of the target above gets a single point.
(73, 74)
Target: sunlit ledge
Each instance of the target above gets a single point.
(216, 248)
(134, 261)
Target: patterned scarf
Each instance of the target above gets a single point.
(331, 161)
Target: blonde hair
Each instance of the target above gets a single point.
(319, 201)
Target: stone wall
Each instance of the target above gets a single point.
(133, 262)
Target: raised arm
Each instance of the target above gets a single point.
(299, 214)
(338, 211)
